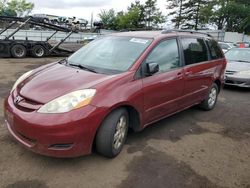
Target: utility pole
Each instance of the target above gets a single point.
(91, 21)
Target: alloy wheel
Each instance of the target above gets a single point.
(120, 132)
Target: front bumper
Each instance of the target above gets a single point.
(59, 135)
(237, 81)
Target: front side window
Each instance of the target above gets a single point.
(195, 50)
(166, 55)
(110, 54)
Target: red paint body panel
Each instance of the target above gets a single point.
(56, 81)
(153, 97)
(76, 127)
(162, 93)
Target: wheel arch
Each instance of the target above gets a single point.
(134, 118)
(134, 115)
(218, 83)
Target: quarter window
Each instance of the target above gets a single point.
(195, 50)
(215, 50)
(166, 55)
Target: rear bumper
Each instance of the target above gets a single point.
(237, 81)
(59, 135)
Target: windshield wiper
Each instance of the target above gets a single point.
(62, 61)
(242, 61)
(82, 67)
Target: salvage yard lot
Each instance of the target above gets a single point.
(190, 149)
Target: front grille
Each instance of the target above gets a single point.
(28, 105)
(31, 141)
(61, 146)
(230, 72)
(229, 82)
(25, 104)
(234, 82)
(21, 137)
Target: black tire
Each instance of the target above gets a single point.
(211, 98)
(38, 51)
(18, 51)
(106, 144)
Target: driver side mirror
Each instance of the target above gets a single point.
(152, 68)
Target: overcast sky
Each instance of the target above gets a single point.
(84, 8)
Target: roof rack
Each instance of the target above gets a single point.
(184, 31)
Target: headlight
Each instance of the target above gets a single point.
(68, 102)
(247, 72)
(20, 79)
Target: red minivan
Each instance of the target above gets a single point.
(119, 81)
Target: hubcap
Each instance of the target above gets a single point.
(39, 52)
(212, 97)
(19, 52)
(120, 132)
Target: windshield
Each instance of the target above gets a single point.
(110, 55)
(237, 54)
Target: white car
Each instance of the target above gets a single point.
(225, 46)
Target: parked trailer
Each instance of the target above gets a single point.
(9, 47)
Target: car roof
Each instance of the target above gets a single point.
(157, 34)
(143, 34)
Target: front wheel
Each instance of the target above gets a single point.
(112, 134)
(211, 99)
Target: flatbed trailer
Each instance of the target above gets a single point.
(10, 47)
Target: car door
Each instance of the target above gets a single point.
(198, 70)
(163, 89)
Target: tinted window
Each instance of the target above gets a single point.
(195, 50)
(215, 51)
(166, 55)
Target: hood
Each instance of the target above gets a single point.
(237, 66)
(57, 80)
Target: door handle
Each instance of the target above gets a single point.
(179, 75)
(188, 73)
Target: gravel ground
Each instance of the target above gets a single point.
(190, 149)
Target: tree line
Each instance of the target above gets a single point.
(229, 15)
(138, 16)
(15, 7)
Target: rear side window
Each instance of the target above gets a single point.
(215, 50)
(195, 50)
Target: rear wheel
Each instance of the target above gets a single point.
(112, 134)
(38, 51)
(18, 51)
(211, 99)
